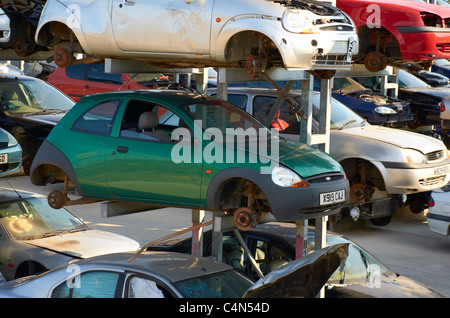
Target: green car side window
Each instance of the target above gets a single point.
(98, 119)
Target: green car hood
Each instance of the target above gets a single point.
(306, 160)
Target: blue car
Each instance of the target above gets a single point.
(442, 67)
(377, 109)
(10, 153)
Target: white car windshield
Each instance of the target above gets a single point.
(341, 116)
(21, 97)
(34, 218)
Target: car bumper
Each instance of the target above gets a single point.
(438, 223)
(406, 178)
(327, 50)
(286, 203)
(424, 43)
(14, 160)
(291, 204)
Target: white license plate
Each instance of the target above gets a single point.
(441, 171)
(332, 197)
(351, 49)
(340, 47)
(3, 158)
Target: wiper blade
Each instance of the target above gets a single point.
(347, 123)
(46, 111)
(57, 232)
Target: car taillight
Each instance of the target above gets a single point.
(441, 107)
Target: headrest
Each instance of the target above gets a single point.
(148, 120)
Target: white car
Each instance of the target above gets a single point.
(5, 29)
(35, 238)
(252, 34)
(438, 216)
(383, 165)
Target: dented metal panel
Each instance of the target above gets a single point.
(200, 33)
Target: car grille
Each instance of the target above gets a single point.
(337, 28)
(436, 155)
(3, 145)
(443, 47)
(327, 60)
(325, 178)
(8, 166)
(432, 181)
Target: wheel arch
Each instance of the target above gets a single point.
(44, 36)
(395, 47)
(218, 185)
(49, 165)
(242, 31)
(350, 166)
(29, 267)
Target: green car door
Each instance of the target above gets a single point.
(138, 159)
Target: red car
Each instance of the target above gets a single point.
(399, 32)
(85, 79)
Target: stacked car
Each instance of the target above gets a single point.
(134, 140)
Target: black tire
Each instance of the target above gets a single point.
(381, 221)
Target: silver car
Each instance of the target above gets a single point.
(35, 238)
(5, 29)
(386, 167)
(255, 34)
(175, 275)
(438, 216)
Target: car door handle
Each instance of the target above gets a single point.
(122, 149)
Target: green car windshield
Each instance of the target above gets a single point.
(34, 218)
(221, 115)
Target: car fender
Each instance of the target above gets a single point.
(57, 9)
(58, 159)
(255, 176)
(246, 22)
(20, 253)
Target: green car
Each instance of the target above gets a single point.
(183, 149)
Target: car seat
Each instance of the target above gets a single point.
(147, 123)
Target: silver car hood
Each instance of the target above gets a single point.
(86, 243)
(303, 277)
(396, 137)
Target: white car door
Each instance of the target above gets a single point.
(162, 26)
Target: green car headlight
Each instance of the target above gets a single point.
(287, 178)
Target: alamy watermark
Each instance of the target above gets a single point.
(234, 145)
(374, 17)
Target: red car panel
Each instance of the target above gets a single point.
(409, 31)
(85, 79)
